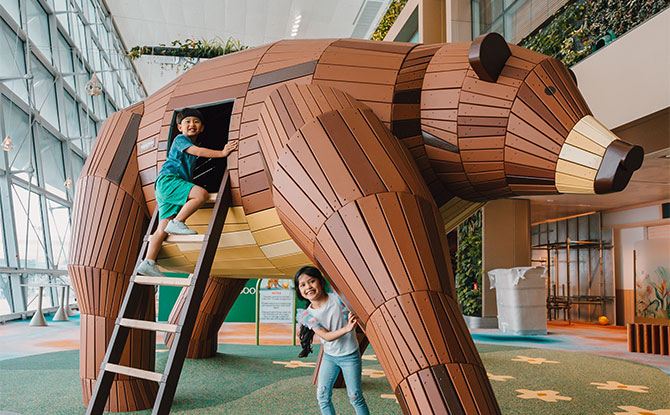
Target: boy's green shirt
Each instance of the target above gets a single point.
(179, 162)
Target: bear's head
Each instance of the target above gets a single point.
(521, 126)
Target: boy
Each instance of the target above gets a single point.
(177, 197)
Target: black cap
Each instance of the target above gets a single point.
(189, 112)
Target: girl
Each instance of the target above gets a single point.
(330, 319)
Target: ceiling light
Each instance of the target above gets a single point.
(295, 26)
(7, 144)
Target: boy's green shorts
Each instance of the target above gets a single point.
(171, 194)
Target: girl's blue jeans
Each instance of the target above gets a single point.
(351, 370)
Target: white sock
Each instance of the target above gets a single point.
(150, 261)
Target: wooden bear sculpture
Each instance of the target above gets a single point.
(346, 150)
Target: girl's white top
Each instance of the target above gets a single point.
(332, 316)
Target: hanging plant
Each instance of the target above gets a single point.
(389, 18)
(190, 48)
(469, 265)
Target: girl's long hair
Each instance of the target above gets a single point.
(306, 334)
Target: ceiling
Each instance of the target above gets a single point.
(252, 22)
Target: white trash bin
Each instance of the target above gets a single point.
(521, 296)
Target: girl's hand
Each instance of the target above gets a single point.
(351, 324)
(229, 148)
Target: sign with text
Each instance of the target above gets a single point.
(276, 301)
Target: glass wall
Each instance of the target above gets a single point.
(514, 19)
(49, 51)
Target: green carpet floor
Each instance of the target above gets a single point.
(261, 380)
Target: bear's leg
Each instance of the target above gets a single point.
(220, 295)
(352, 197)
(109, 221)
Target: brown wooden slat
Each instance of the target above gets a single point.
(281, 75)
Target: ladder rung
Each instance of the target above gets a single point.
(131, 371)
(212, 198)
(175, 282)
(148, 325)
(199, 238)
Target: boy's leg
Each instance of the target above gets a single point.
(351, 371)
(324, 390)
(196, 197)
(148, 265)
(156, 240)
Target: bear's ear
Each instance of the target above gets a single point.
(487, 55)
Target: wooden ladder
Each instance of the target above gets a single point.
(135, 303)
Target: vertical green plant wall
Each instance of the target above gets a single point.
(582, 26)
(469, 265)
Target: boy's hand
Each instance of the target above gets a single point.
(229, 148)
(351, 324)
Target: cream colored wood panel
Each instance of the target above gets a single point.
(240, 238)
(236, 215)
(579, 140)
(292, 260)
(263, 219)
(579, 156)
(578, 170)
(593, 129)
(236, 264)
(199, 217)
(247, 272)
(168, 251)
(280, 249)
(572, 184)
(244, 252)
(456, 210)
(184, 239)
(271, 235)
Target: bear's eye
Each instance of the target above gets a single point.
(550, 90)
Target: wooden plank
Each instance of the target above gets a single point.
(489, 89)
(328, 253)
(555, 103)
(579, 156)
(401, 235)
(282, 75)
(351, 153)
(539, 149)
(330, 162)
(254, 183)
(389, 47)
(347, 244)
(368, 249)
(350, 73)
(522, 128)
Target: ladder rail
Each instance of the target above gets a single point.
(136, 302)
(193, 300)
(117, 342)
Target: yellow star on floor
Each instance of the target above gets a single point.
(295, 363)
(388, 396)
(369, 357)
(634, 410)
(373, 373)
(499, 378)
(611, 385)
(547, 396)
(533, 360)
